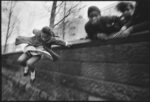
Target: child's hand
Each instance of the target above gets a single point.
(67, 44)
(123, 33)
(102, 36)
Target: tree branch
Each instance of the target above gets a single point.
(82, 7)
(58, 10)
(75, 6)
(14, 4)
(11, 5)
(12, 29)
(62, 19)
(47, 8)
(71, 9)
(60, 4)
(68, 13)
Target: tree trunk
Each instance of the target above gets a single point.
(5, 47)
(52, 17)
(64, 21)
(10, 25)
(7, 32)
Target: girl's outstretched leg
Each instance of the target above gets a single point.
(22, 61)
(30, 63)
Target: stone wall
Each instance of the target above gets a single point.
(116, 69)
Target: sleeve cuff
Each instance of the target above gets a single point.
(124, 28)
(66, 43)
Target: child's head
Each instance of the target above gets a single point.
(46, 33)
(124, 7)
(94, 14)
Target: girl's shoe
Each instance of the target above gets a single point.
(26, 71)
(32, 76)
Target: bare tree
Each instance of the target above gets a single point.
(74, 8)
(58, 8)
(52, 17)
(64, 24)
(64, 7)
(69, 8)
(8, 7)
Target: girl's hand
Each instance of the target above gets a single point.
(102, 36)
(123, 33)
(67, 44)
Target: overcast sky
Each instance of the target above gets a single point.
(100, 4)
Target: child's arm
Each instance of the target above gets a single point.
(57, 41)
(22, 39)
(36, 32)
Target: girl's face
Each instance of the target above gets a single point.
(45, 37)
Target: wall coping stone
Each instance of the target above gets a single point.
(134, 37)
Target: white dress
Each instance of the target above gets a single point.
(37, 51)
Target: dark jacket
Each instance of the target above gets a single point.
(106, 24)
(141, 13)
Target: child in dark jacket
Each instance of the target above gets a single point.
(126, 9)
(139, 21)
(37, 47)
(101, 27)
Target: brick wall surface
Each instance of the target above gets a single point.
(111, 70)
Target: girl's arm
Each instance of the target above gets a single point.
(22, 39)
(36, 32)
(58, 41)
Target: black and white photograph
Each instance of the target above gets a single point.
(75, 50)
